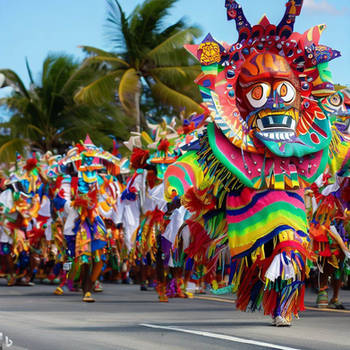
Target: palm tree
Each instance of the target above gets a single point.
(45, 116)
(147, 56)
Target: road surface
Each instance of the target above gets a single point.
(124, 318)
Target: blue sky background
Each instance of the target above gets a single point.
(33, 28)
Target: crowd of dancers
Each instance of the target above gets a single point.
(89, 215)
(251, 197)
(77, 219)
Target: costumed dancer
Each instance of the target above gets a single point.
(84, 229)
(130, 208)
(269, 140)
(21, 204)
(330, 204)
(7, 233)
(39, 230)
(110, 191)
(176, 238)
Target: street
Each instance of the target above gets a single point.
(125, 318)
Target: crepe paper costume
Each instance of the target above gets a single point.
(328, 231)
(142, 206)
(191, 128)
(129, 207)
(24, 222)
(110, 195)
(329, 190)
(144, 188)
(83, 201)
(268, 140)
(330, 203)
(11, 236)
(327, 225)
(167, 152)
(172, 235)
(131, 213)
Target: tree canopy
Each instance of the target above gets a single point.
(148, 62)
(46, 117)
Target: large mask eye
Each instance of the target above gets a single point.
(286, 91)
(335, 100)
(258, 95)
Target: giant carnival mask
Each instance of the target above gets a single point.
(263, 93)
(337, 106)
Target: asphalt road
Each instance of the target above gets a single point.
(124, 318)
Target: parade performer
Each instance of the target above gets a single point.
(176, 238)
(84, 229)
(142, 206)
(23, 231)
(7, 231)
(269, 140)
(330, 203)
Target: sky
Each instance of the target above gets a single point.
(34, 28)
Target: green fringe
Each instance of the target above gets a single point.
(215, 171)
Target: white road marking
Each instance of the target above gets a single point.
(219, 336)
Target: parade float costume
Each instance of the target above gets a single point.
(81, 198)
(176, 238)
(12, 238)
(110, 192)
(330, 203)
(38, 232)
(143, 203)
(132, 198)
(329, 191)
(26, 223)
(269, 139)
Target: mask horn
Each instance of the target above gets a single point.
(235, 11)
(286, 27)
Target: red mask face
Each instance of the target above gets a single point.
(268, 96)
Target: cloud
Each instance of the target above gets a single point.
(323, 6)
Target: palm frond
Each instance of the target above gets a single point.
(172, 29)
(114, 61)
(148, 19)
(174, 98)
(129, 86)
(99, 91)
(46, 67)
(14, 81)
(36, 128)
(93, 51)
(117, 25)
(9, 148)
(29, 72)
(177, 75)
(87, 72)
(176, 41)
(175, 57)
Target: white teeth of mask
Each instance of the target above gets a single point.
(293, 125)
(260, 124)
